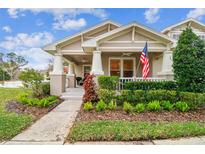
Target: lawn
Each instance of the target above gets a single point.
(118, 130)
(11, 123)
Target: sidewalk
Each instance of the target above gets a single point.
(54, 127)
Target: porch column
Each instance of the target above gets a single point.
(71, 76)
(97, 64)
(57, 76)
(167, 71)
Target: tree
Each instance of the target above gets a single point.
(4, 75)
(11, 63)
(189, 62)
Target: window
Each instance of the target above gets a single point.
(202, 37)
(115, 67)
(122, 67)
(128, 68)
(175, 36)
(86, 69)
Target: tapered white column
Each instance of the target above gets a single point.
(71, 76)
(167, 61)
(57, 76)
(58, 64)
(71, 70)
(167, 69)
(97, 64)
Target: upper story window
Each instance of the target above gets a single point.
(202, 36)
(175, 36)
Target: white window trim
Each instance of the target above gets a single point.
(83, 67)
(121, 64)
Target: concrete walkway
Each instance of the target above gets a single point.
(53, 128)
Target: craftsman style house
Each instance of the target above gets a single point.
(112, 49)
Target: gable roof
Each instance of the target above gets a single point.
(187, 21)
(93, 42)
(53, 45)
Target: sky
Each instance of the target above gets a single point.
(26, 31)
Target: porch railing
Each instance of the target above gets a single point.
(123, 80)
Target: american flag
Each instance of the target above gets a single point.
(145, 62)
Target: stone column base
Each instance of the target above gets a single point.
(57, 84)
(71, 81)
(166, 75)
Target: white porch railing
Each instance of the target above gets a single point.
(122, 80)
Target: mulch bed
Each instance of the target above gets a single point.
(36, 112)
(197, 115)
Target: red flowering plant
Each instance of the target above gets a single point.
(89, 86)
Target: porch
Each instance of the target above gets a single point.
(126, 65)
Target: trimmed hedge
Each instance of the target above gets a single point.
(194, 100)
(106, 95)
(150, 85)
(108, 82)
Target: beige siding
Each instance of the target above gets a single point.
(73, 46)
(79, 70)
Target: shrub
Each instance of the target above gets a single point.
(139, 108)
(166, 105)
(101, 106)
(47, 101)
(189, 62)
(106, 95)
(87, 106)
(154, 106)
(182, 106)
(127, 107)
(112, 105)
(150, 85)
(89, 86)
(194, 100)
(46, 88)
(33, 79)
(108, 82)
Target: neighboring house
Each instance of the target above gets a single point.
(114, 50)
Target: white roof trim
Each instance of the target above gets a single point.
(181, 23)
(93, 42)
(53, 45)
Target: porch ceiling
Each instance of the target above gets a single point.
(79, 59)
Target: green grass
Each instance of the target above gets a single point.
(107, 130)
(10, 123)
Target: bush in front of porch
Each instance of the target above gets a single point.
(108, 82)
(194, 100)
(150, 85)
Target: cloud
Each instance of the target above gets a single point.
(196, 13)
(69, 24)
(25, 40)
(39, 22)
(38, 59)
(64, 19)
(58, 13)
(29, 46)
(7, 29)
(151, 15)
